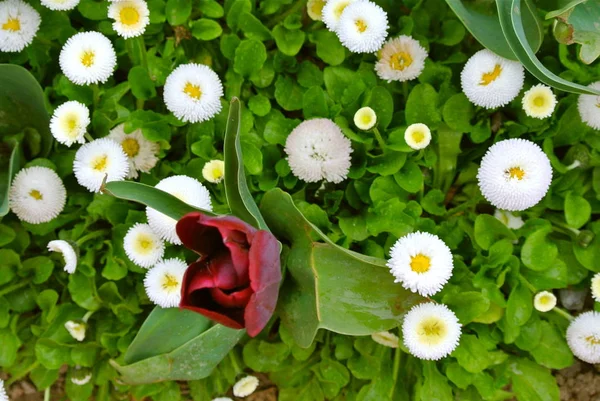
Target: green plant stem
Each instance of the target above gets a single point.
(47, 393)
(88, 137)
(96, 95)
(405, 90)
(234, 362)
(14, 287)
(92, 235)
(379, 138)
(139, 104)
(295, 7)
(563, 313)
(396, 370)
(87, 316)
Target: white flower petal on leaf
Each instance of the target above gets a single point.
(143, 246)
(332, 12)
(589, 107)
(386, 338)
(60, 5)
(214, 171)
(362, 27)
(37, 195)
(131, 17)
(490, 81)
(88, 58)
(544, 301)
(515, 174)
(69, 123)
(509, 219)
(583, 337)
(19, 22)
(401, 59)
(318, 150)
(186, 189)
(245, 386)
(193, 93)
(68, 253)
(365, 118)
(76, 329)
(431, 331)
(595, 287)
(422, 262)
(417, 136)
(97, 159)
(141, 153)
(163, 282)
(539, 101)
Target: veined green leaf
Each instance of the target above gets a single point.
(7, 172)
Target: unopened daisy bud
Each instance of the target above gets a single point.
(539, 101)
(315, 9)
(140, 152)
(69, 123)
(37, 195)
(68, 253)
(417, 136)
(214, 171)
(431, 331)
(422, 262)
(3, 395)
(131, 17)
(99, 159)
(595, 287)
(88, 58)
(332, 12)
(363, 26)
(386, 338)
(81, 376)
(246, 386)
(163, 282)
(544, 301)
(365, 118)
(401, 59)
(509, 219)
(76, 329)
(589, 107)
(515, 174)
(19, 22)
(60, 5)
(583, 337)
(490, 81)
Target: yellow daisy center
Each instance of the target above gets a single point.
(317, 7)
(169, 282)
(545, 299)
(144, 244)
(100, 163)
(35, 194)
(361, 25)
(400, 61)
(418, 136)
(340, 9)
(515, 172)
(131, 147)
(432, 331)
(489, 77)
(539, 101)
(593, 340)
(13, 24)
(87, 58)
(216, 173)
(129, 16)
(420, 263)
(192, 91)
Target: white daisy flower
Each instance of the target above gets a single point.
(163, 282)
(19, 22)
(583, 337)
(595, 287)
(214, 171)
(76, 329)
(193, 93)
(386, 338)
(140, 152)
(365, 118)
(60, 5)
(314, 8)
(431, 331)
(332, 12)
(37, 195)
(589, 107)
(88, 58)
(68, 253)
(539, 101)
(81, 376)
(246, 386)
(69, 123)
(97, 159)
(318, 150)
(3, 395)
(421, 262)
(509, 219)
(417, 136)
(363, 26)
(544, 301)
(186, 189)
(490, 81)
(131, 17)
(514, 175)
(401, 59)
(142, 246)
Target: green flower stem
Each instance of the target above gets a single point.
(397, 361)
(405, 90)
(96, 95)
(563, 313)
(14, 287)
(92, 235)
(87, 316)
(294, 8)
(47, 393)
(88, 137)
(379, 138)
(234, 362)
(139, 104)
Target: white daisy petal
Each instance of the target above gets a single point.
(401, 59)
(214, 171)
(131, 17)
(539, 101)
(68, 254)
(246, 386)
(143, 246)
(193, 93)
(332, 12)
(318, 150)
(163, 282)
(595, 287)
(544, 301)
(222, 399)
(97, 159)
(88, 58)
(140, 152)
(186, 189)
(421, 262)
(417, 136)
(81, 376)
(490, 81)
(37, 195)
(363, 26)
(431, 331)
(60, 5)
(365, 118)
(69, 123)
(515, 174)
(76, 329)
(583, 337)
(589, 107)
(386, 338)
(509, 219)
(19, 22)
(3, 395)
(314, 8)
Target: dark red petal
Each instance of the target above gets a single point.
(239, 255)
(237, 299)
(265, 277)
(235, 321)
(202, 239)
(229, 223)
(217, 272)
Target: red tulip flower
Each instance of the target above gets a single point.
(235, 281)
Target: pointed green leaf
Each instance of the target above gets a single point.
(8, 169)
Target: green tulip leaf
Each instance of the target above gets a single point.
(8, 169)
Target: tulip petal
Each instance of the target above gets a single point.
(202, 239)
(237, 299)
